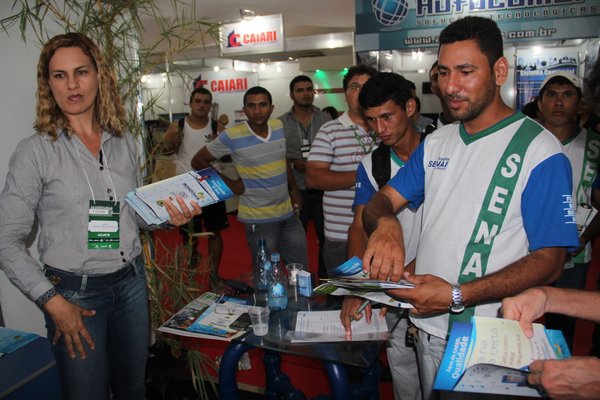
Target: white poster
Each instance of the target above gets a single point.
(228, 88)
(261, 34)
(532, 69)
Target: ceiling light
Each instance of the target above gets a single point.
(247, 14)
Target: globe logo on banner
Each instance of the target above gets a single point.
(389, 12)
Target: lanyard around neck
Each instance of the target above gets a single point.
(87, 178)
(361, 142)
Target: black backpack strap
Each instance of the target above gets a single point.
(381, 168)
(213, 125)
(429, 129)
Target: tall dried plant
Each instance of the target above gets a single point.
(172, 284)
(117, 25)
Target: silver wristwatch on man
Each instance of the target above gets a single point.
(457, 305)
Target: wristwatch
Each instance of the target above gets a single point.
(457, 305)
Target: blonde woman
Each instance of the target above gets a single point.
(72, 176)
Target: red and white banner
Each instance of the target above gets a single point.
(228, 88)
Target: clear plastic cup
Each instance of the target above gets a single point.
(293, 270)
(259, 316)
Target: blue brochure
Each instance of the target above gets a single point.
(492, 355)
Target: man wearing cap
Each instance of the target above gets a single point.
(559, 99)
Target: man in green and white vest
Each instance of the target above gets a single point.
(495, 188)
(559, 99)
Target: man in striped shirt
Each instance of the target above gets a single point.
(257, 148)
(335, 154)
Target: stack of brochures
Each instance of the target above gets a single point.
(492, 355)
(204, 187)
(349, 279)
(210, 317)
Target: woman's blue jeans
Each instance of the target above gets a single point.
(121, 332)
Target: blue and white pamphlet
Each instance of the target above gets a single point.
(348, 279)
(204, 187)
(11, 340)
(492, 355)
(209, 316)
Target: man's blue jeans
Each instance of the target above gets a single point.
(334, 254)
(121, 332)
(286, 237)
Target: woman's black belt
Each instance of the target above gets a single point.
(70, 281)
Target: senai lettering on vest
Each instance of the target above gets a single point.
(590, 166)
(440, 163)
(489, 219)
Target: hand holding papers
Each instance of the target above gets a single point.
(204, 187)
(349, 280)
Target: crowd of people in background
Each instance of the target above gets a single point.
(378, 180)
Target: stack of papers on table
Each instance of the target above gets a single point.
(325, 326)
(348, 279)
(204, 187)
(210, 317)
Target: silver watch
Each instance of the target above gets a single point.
(457, 305)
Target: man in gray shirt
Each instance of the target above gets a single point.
(301, 125)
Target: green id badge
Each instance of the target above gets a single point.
(103, 225)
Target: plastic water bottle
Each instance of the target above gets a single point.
(262, 267)
(277, 295)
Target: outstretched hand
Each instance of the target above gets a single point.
(525, 307)
(68, 321)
